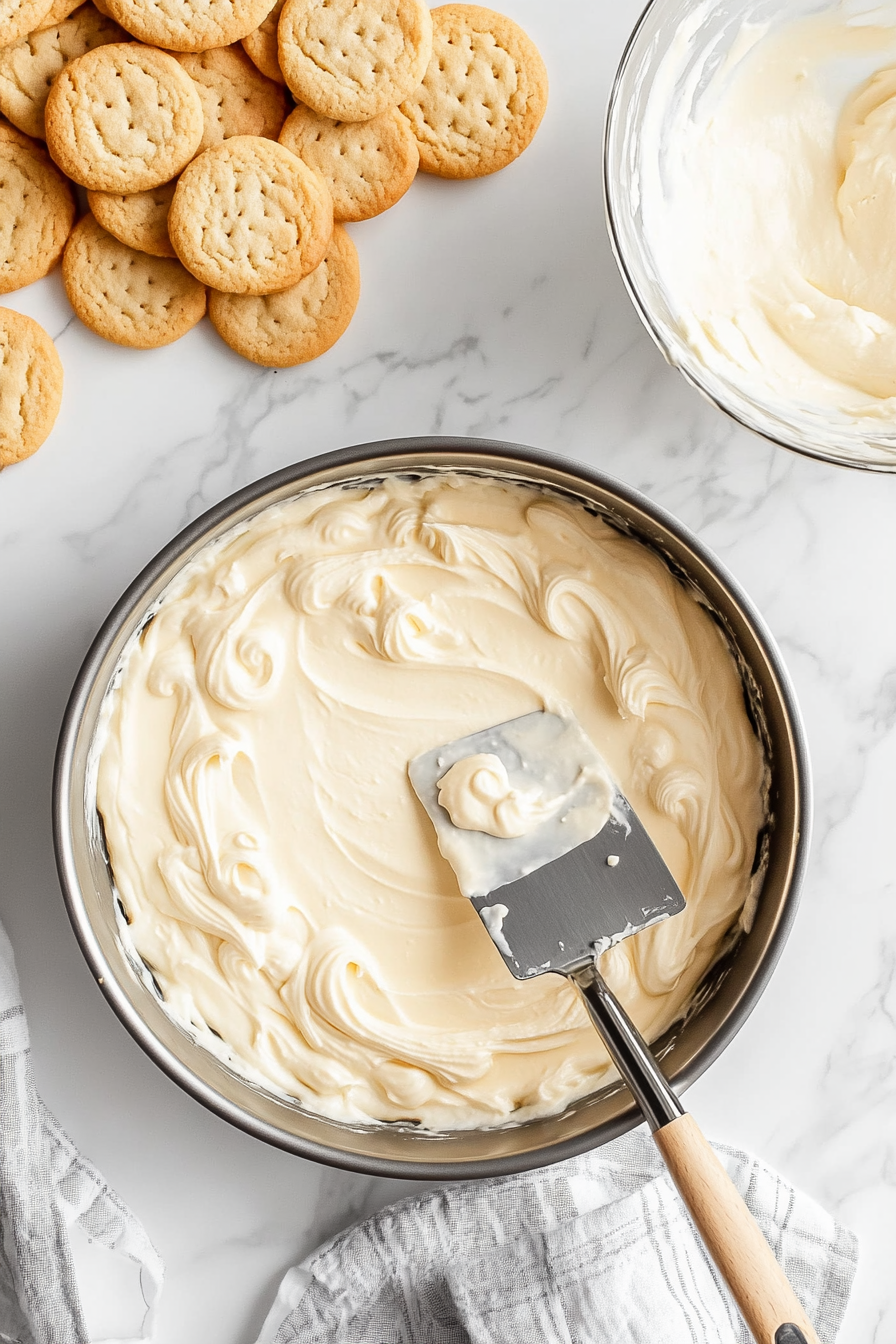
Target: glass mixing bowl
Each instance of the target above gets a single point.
(673, 53)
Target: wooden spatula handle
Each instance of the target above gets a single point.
(769, 1305)
(733, 1239)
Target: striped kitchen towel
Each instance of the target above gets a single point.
(46, 1186)
(595, 1250)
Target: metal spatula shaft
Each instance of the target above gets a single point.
(553, 903)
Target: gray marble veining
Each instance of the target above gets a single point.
(492, 309)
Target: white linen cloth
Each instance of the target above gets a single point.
(46, 1187)
(595, 1250)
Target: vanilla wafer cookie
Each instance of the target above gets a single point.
(30, 386)
(29, 66)
(248, 217)
(14, 136)
(352, 59)
(482, 97)
(367, 165)
(123, 117)
(37, 211)
(296, 324)
(189, 25)
(139, 219)
(58, 11)
(124, 295)
(261, 45)
(237, 99)
(20, 17)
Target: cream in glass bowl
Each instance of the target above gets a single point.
(750, 180)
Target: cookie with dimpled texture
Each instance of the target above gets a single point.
(14, 136)
(58, 11)
(189, 25)
(30, 386)
(28, 67)
(20, 17)
(482, 97)
(123, 117)
(296, 324)
(236, 97)
(124, 295)
(248, 217)
(261, 45)
(139, 218)
(367, 165)
(352, 59)
(37, 211)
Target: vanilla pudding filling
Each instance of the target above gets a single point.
(766, 182)
(282, 882)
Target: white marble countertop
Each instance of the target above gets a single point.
(490, 308)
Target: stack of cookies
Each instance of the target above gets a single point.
(222, 145)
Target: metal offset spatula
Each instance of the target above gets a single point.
(559, 868)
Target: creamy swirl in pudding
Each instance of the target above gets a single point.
(478, 796)
(281, 879)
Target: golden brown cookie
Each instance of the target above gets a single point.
(261, 45)
(20, 17)
(236, 97)
(28, 67)
(296, 324)
(367, 165)
(124, 295)
(483, 95)
(58, 11)
(17, 137)
(248, 217)
(37, 211)
(123, 117)
(140, 219)
(352, 59)
(30, 386)
(189, 25)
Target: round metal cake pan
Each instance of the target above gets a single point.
(726, 997)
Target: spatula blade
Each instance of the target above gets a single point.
(559, 916)
(547, 910)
